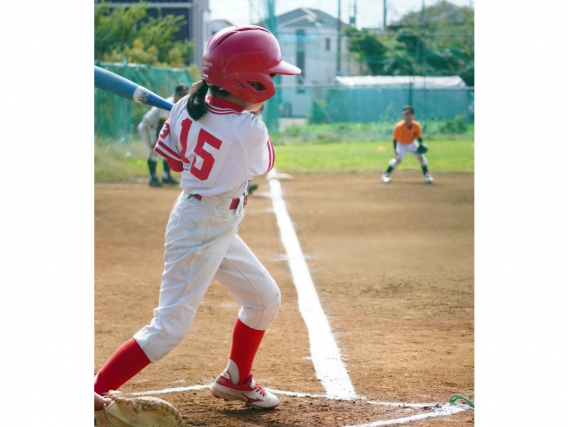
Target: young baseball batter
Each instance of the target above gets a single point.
(405, 134)
(148, 130)
(218, 145)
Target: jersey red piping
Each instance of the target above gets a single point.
(221, 112)
(271, 155)
(171, 152)
(213, 101)
(158, 149)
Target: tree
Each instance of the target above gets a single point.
(438, 42)
(116, 29)
(129, 33)
(399, 63)
(367, 48)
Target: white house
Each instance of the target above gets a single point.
(308, 39)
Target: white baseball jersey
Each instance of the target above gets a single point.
(154, 115)
(220, 152)
(148, 128)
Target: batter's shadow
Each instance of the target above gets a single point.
(256, 417)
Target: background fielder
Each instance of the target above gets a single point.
(405, 134)
(149, 129)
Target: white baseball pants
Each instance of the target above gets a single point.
(201, 245)
(148, 135)
(402, 149)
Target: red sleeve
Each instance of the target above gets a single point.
(166, 145)
(175, 165)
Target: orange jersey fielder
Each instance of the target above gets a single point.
(406, 135)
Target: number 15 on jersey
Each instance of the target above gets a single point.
(203, 150)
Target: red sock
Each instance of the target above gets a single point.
(245, 344)
(126, 362)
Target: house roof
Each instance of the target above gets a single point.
(307, 17)
(221, 22)
(418, 82)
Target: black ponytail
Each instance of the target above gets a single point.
(196, 102)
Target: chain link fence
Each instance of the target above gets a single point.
(116, 117)
(339, 104)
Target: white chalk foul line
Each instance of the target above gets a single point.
(169, 390)
(401, 404)
(439, 410)
(443, 411)
(326, 356)
(282, 392)
(201, 387)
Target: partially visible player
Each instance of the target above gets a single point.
(216, 142)
(251, 188)
(149, 128)
(405, 134)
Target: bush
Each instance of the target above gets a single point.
(317, 113)
(455, 126)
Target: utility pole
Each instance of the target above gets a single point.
(384, 15)
(423, 25)
(355, 14)
(423, 41)
(338, 71)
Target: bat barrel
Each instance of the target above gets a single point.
(117, 85)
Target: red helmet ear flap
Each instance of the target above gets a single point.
(241, 87)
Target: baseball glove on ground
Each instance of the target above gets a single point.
(421, 149)
(143, 411)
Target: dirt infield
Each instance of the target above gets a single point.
(393, 267)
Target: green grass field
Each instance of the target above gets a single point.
(112, 162)
(443, 156)
(120, 162)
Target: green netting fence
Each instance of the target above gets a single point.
(117, 117)
(338, 104)
(321, 108)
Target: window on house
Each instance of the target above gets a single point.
(328, 44)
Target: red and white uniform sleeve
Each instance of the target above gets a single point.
(260, 152)
(167, 145)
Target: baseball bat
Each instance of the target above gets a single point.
(117, 85)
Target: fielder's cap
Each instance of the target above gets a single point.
(408, 109)
(182, 89)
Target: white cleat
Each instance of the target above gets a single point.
(386, 178)
(428, 179)
(249, 392)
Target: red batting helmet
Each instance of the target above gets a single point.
(237, 55)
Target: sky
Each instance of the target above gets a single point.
(369, 12)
